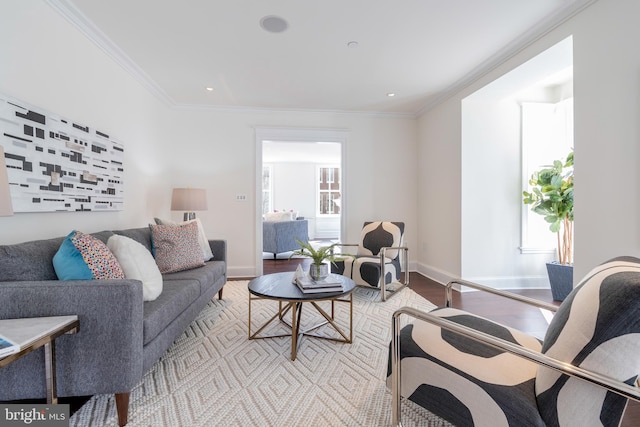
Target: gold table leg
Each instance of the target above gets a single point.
(50, 371)
(296, 315)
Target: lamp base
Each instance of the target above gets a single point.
(188, 216)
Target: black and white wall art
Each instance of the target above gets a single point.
(57, 164)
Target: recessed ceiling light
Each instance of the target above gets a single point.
(274, 24)
(352, 44)
(391, 94)
(209, 88)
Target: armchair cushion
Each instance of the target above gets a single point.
(364, 267)
(466, 382)
(597, 327)
(379, 234)
(366, 270)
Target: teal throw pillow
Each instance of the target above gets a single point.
(83, 257)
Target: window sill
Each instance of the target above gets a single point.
(531, 250)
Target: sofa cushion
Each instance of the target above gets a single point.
(140, 235)
(138, 264)
(206, 276)
(82, 256)
(29, 260)
(176, 248)
(103, 236)
(176, 296)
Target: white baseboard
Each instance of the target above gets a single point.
(514, 282)
(444, 277)
(440, 276)
(238, 272)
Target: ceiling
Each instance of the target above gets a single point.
(420, 50)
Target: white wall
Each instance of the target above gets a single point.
(439, 192)
(491, 198)
(379, 173)
(293, 187)
(607, 117)
(48, 63)
(607, 107)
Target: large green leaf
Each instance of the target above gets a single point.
(552, 192)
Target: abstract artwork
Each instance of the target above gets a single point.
(56, 164)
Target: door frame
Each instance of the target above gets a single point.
(311, 135)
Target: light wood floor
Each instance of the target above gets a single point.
(510, 313)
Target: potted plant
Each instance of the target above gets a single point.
(552, 197)
(318, 269)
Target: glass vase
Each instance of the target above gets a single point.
(318, 271)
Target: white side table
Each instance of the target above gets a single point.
(33, 333)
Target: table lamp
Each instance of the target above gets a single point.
(189, 200)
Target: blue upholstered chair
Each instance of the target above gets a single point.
(377, 260)
(283, 236)
(472, 371)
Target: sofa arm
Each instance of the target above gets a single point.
(219, 249)
(105, 356)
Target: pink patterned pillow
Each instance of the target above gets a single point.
(176, 247)
(82, 256)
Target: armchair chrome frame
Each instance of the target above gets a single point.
(605, 382)
(384, 294)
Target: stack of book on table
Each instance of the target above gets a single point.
(309, 286)
(7, 347)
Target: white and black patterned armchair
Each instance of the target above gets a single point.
(475, 372)
(377, 261)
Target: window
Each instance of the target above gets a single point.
(547, 135)
(328, 191)
(267, 200)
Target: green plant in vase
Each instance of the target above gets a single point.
(552, 197)
(318, 269)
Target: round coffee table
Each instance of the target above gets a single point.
(280, 287)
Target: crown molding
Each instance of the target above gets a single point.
(67, 9)
(246, 109)
(80, 21)
(516, 46)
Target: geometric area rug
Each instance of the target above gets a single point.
(214, 376)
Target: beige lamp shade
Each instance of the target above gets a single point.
(6, 208)
(189, 200)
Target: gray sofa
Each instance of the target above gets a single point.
(120, 337)
(280, 236)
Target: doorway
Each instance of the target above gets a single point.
(305, 173)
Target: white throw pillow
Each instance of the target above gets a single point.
(278, 216)
(202, 237)
(137, 263)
